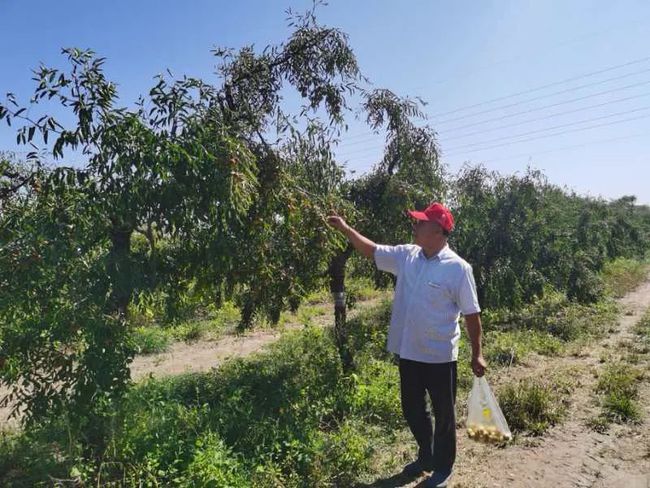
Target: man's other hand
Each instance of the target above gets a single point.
(478, 365)
(337, 222)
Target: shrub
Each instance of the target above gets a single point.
(511, 347)
(375, 396)
(642, 330)
(623, 275)
(150, 340)
(214, 465)
(556, 315)
(618, 385)
(531, 406)
(190, 331)
(346, 452)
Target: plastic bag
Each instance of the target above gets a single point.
(485, 420)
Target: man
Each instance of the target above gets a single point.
(434, 285)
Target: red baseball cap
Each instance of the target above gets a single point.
(436, 212)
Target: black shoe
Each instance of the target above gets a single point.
(438, 479)
(416, 468)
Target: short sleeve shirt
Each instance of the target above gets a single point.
(430, 295)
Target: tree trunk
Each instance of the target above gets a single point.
(119, 270)
(106, 359)
(337, 287)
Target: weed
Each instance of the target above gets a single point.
(511, 347)
(623, 275)
(150, 340)
(618, 388)
(531, 406)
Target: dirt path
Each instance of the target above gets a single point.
(204, 355)
(569, 455)
(572, 454)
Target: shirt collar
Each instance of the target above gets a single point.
(438, 256)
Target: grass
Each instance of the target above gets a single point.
(285, 417)
(357, 289)
(532, 406)
(191, 331)
(556, 315)
(307, 313)
(618, 384)
(361, 289)
(213, 326)
(642, 332)
(317, 297)
(376, 396)
(290, 416)
(508, 348)
(623, 275)
(150, 340)
(618, 389)
(150, 337)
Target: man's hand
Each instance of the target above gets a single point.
(337, 222)
(478, 365)
(362, 244)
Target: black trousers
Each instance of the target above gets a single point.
(437, 448)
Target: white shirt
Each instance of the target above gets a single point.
(429, 296)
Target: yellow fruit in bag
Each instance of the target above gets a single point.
(485, 420)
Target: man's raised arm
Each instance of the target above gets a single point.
(361, 243)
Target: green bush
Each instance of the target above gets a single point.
(150, 340)
(346, 452)
(319, 296)
(556, 315)
(531, 406)
(622, 275)
(368, 331)
(226, 316)
(619, 386)
(28, 458)
(214, 465)
(360, 289)
(286, 417)
(375, 397)
(190, 331)
(642, 330)
(270, 410)
(511, 347)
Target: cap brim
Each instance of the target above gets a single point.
(418, 215)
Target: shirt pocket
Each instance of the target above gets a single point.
(437, 293)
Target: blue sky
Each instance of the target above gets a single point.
(588, 130)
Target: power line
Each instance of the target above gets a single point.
(523, 112)
(557, 104)
(607, 69)
(563, 148)
(551, 135)
(535, 109)
(376, 148)
(549, 151)
(566, 90)
(366, 149)
(609, 102)
(584, 121)
(548, 85)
